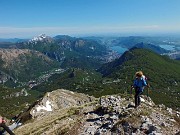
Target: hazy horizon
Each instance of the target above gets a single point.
(176, 35)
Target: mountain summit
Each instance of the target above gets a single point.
(41, 38)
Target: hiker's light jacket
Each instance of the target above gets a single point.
(139, 84)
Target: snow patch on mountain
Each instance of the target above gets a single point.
(48, 107)
(40, 38)
(55, 100)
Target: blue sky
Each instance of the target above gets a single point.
(27, 18)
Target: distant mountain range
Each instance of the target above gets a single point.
(71, 52)
(151, 47)
(12, 40)
(152, 43)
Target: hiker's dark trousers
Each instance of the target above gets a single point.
(6, 128)
(137, 97)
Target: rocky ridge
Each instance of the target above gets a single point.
(59, 99)
(79, 114)
(117, 115)
(23, 64)
(9, 55)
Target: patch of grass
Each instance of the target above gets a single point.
(145, 112)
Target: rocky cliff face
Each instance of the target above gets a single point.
(9, 56)
(66, 112)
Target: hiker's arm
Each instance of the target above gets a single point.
(144, 82)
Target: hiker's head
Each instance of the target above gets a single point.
(139, 74)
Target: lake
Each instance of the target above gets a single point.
(178, 48)
(118, 49)
(168, 47)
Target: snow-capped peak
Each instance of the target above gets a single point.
(39, 38)
(42, 38)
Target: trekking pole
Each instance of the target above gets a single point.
(6, 128)
(131, 89)
(148, 89)
(148, 92)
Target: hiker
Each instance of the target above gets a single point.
(6, 128)
(139, 84)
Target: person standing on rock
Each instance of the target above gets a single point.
(139, 84)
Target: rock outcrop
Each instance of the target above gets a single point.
(66, 112)
(117, 115)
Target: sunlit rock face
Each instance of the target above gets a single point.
(59, 99)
